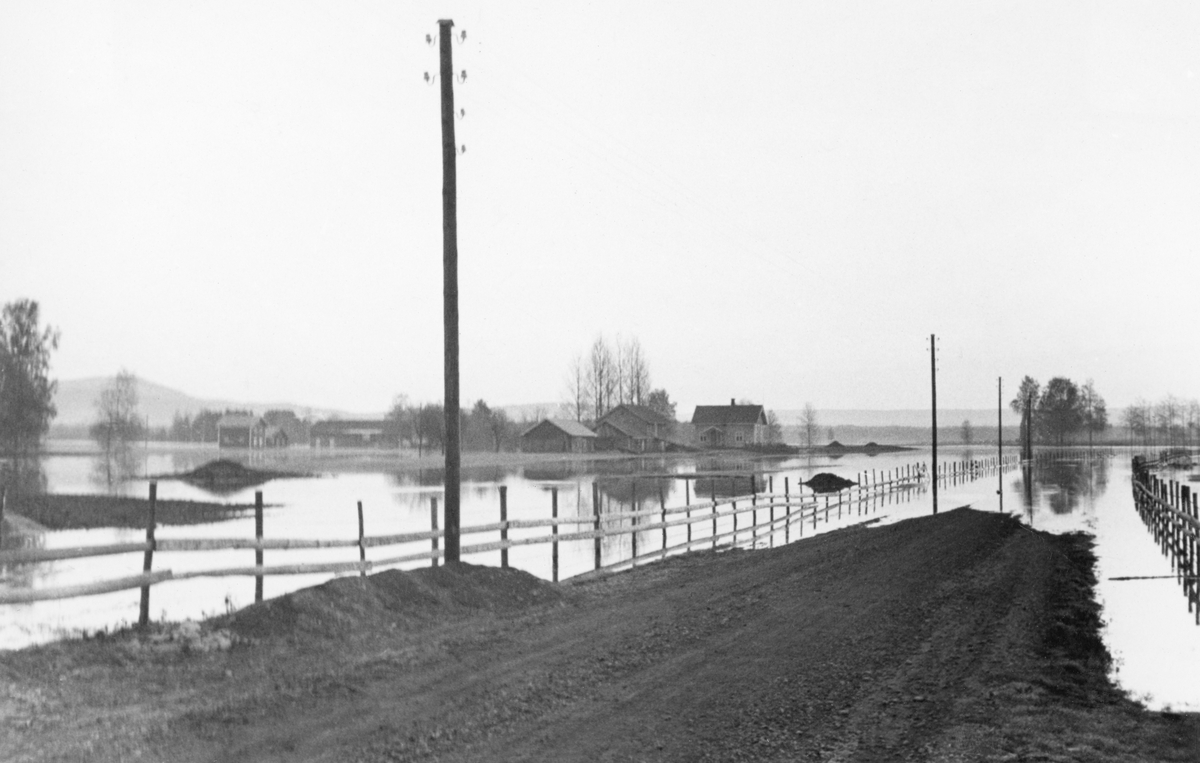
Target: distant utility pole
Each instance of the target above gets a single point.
(1000, 439)
(933, 386)
(450, 293)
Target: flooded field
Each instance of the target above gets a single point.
(1150, 631)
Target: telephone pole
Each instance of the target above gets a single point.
(1000, 439)
(933, 386)
(450, 293)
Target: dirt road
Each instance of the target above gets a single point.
(959, 637)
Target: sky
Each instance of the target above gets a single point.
(781, 201)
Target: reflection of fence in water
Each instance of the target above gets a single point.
(1171, 512)
(629, 537)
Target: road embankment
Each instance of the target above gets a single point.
(965, 636)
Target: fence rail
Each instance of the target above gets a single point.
(781, 511)
(1171, 512)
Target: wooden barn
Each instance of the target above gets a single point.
(730, 426)
(354, 433)
(276, 437)
(241, 430)
(635, 428)
(558, 436)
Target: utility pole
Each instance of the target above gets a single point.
(450, 292)
(933, 387)
(1029, 427)
(1000, 440)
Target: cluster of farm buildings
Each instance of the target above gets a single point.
(630, 428)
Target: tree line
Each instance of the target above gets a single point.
(1171, 422)
(1062, 410)
(608, 375)
(481, 428)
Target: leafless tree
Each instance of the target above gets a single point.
(577, 400)
(774, 428)
(809, 424)
(637, 372)
(602, 379)
(117, 427)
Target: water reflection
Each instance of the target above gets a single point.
(22, 476)
(1063, 486)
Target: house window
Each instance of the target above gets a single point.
(704, 438)
(739, 436)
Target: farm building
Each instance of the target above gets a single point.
(354, 434)
(241, 430)
(730, 426)
(558, 436)
(276, 437)
(635, 428)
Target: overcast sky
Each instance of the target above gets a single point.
(781, 200)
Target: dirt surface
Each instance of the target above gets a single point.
(965, 636)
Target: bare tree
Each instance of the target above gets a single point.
(637, 372)
(809, 424)
(1095, 410)
(577, 399)
(117, 427)
(968, 435)
(601, 377)
(774, 428)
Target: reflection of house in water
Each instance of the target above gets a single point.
(724, 486)
(558, 436)
(730, 426)
(354, 433)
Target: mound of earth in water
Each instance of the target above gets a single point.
(226, 476)
(828, 483)
(390, 599)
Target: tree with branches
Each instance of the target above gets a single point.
(117, 427)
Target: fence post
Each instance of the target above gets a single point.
(433, 523)
(753, 514)
(3, 500)
(733, 507)
(148, 560)
(503, 526)
(596, 511)
(662, 504)
(713, 494)
(687, 502)
(554, 534)
(362, 549)
(787, 508)
(258, 553)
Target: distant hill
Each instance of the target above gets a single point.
(76, 403)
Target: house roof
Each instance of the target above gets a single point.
(728, 414)
(572, 428)
(628, 432)
(643, 412)
(238, 421)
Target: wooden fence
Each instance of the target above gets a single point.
(1171, 512)
(753, 515)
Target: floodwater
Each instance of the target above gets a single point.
(1153, 637)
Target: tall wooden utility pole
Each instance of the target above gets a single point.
(450, 292)
(933, 386)
(1000, 440)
